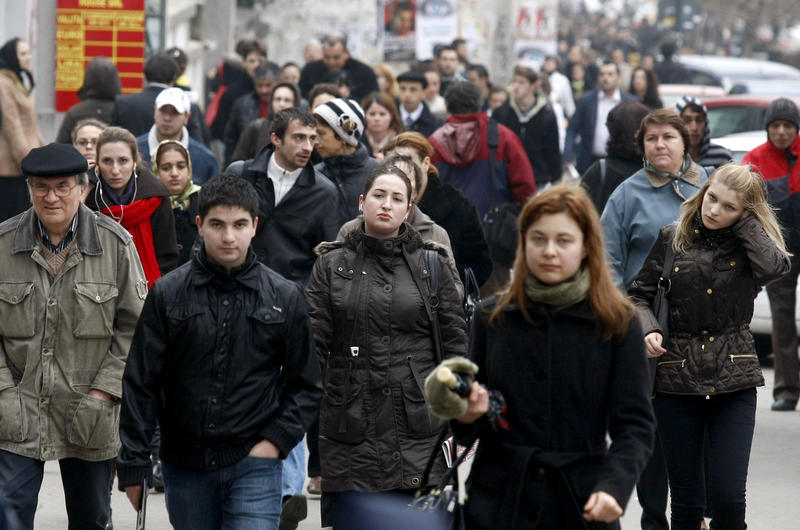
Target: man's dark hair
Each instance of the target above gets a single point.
(463, 98)
(281, 121)
(332, 39)
(287, 64)
(481, 70)
(267, 70)
(623, 122)
(441, 49)
(179, 56)
(526, 72)
(247, 46)
(458, 42)
(668, 49)
(337, 77)
(612, 63)
(227, 189)
(160, 68)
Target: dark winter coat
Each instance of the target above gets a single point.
(245, 111)
(348, 173)
(451, 210)
(713, 284)
(539, 137)
(162, 221)
(101, 85)
(565, 388)
(186, 227)
(600, 187)
(288, 232)
(367, 301)
(223, 361)
(361, 78)
(234, 91)
(426, 124)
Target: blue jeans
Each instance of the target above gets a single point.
(682, 424)
(294, 470)
(244, 496)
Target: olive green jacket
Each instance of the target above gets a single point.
(62, 336)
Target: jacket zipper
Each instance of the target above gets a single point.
(682, 362)
(747, 356)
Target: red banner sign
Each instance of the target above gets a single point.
(86, 29)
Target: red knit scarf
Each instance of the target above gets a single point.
(135, 218)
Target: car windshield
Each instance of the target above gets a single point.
(723, 121)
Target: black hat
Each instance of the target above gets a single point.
(53, 161)
(782, 109)
(415, 77)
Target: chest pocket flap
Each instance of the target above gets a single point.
(17, 317)
(94, 309)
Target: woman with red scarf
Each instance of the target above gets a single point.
(129, 193)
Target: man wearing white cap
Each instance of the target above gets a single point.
(171, 114)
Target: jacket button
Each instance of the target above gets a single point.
(97, 298)
(713, 389)
(705, 332)
(396, 456)
(225, 302)
(387, 391)
(733, 263)
(387, 288)
(710, 339)
(52, 301)
(696, 231)
(415, 481)
(340, 269)
(14, 299)
(677, 269)
(385, 339)
(709, 291)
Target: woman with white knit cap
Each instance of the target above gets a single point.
(345, 160)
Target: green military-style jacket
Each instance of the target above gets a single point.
(62, 336)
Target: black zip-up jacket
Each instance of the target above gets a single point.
(223, 361)
(348, 173)
(288, 232)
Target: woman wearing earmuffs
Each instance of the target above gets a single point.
(133, 197)
(345, 160)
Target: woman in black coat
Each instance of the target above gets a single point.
(726, 245)
(562, 345)
(369, 298)
(101, 84)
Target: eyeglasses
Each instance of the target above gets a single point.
(83, 142)
(61, 190)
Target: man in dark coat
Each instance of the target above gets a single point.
(587, 133)
(414, 112)
(529, 114)
(252, 53)
(135, 111)
(223, 359)
(336, 56)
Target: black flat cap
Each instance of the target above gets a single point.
(54, 160)
(413, 76)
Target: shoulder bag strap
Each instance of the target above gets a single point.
(493, 139)
(433, 286)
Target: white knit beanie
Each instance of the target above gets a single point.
(343, 116)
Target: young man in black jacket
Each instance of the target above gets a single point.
(223, 358)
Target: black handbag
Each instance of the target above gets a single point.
(500, 221)
(661, 306)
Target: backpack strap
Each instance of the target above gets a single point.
(493, 139)
(433, 302)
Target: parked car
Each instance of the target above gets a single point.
(739, 113)
(740, 143)
(737, 74)
(670, 94)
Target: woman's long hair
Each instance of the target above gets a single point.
(612, 310)
(651, 98)
(749, 186)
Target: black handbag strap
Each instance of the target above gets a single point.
(669, 259)
(433, 301)
(493, 139)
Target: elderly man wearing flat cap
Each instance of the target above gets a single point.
(71, 289)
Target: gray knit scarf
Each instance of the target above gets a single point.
(562, 295)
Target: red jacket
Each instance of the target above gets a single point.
(772, 164)
(461, 154)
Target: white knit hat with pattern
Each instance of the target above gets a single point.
(345, 117)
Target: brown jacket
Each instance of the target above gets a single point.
(19, 131)
(713, 284)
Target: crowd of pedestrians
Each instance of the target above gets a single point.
(195, 294)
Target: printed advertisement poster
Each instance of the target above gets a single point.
(437, 23)
(398, 20)
(536, 32)
(86, 29)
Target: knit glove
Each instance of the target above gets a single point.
(444, 401)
